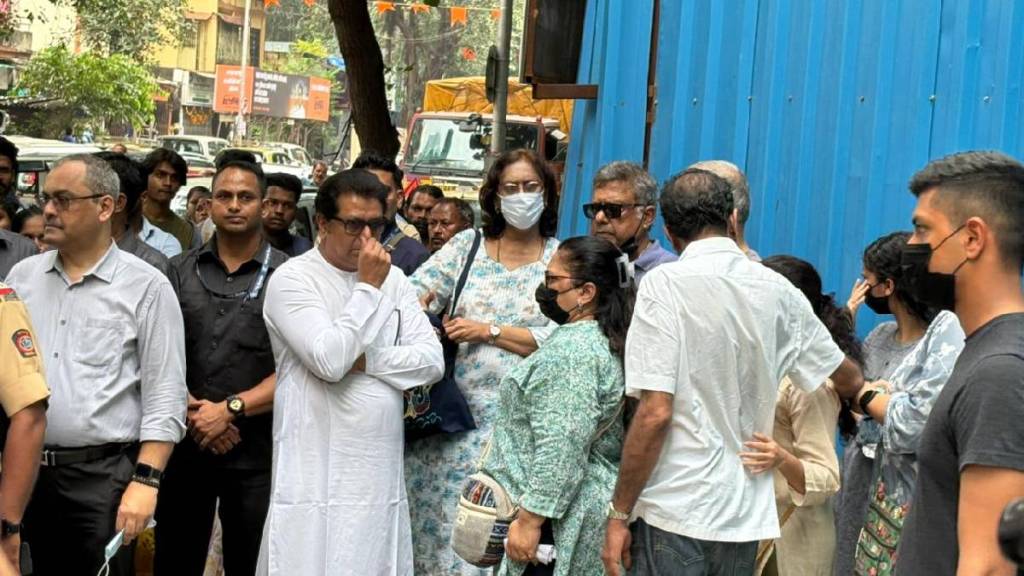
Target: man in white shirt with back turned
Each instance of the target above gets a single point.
(712, 336)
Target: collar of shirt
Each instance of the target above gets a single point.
(209, 254)
(710, 247)
(148, 229)
(104, 269)
(652, 256)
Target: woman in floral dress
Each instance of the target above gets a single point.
(558, 437)
(497, 323)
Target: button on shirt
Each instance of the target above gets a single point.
(227, 345)
(719, 332)
(113, 349)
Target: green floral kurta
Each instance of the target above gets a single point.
(544, 452)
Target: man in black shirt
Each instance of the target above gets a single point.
(230, 376)
(966, 255)
(400, 238)
(283, 194)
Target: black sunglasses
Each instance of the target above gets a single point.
(611, 211)
(355, 225)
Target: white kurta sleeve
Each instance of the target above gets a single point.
(326, 346)
(417, 359)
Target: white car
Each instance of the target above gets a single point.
(206, 146)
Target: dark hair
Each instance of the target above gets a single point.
(494, 222)
(373, 160)
(695, 201)
(428, 189)
(161, 155)
(595, 259)
(287, 182)
(233, 155)
(198, 191)
(129, 174)
(24, 214)
(8, 149)
(882, 258)
(463, 208)
(249, 167)
(355, 182)
(10, 206)
(985, 184)
(802, 274)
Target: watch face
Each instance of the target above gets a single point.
(495, 331)
(235, 405)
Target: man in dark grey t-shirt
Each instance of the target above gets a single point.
(966, 254)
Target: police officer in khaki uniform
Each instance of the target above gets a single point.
(23, 395)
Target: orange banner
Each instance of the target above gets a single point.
(420, 9)
(460, 15)
(272, 94)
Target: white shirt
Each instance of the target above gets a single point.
(338, 504)
(165, 242)
(719, 332)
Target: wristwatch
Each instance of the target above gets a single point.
(615, 514)
(147, 475)
(494, 331)
(236, 406)
(866, 399)
(9, 528)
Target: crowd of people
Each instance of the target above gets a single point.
(636, 408)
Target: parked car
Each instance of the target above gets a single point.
(199, 166)
(36, 157)
(206, 146)
(295, 152)
(273, 160)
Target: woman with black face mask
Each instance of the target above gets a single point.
(558, 435)
(909, 360)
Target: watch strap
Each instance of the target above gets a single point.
(615, 514)
(866, 399)
(148, 472)
(9, 528)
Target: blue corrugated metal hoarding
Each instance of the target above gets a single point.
(829, 106)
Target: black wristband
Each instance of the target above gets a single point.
(9, 528)
(866, 399)
(147, 471)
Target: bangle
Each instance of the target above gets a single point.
(865, 400)
(146, 480)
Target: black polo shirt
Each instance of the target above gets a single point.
(227, 347)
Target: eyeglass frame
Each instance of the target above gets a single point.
(599, 207)
(63, 202)
(346, 223)
(505, 190)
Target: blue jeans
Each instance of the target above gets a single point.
(659, 553)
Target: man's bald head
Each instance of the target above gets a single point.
(737, 180)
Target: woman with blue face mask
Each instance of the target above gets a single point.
(496, 323)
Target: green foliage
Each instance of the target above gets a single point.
(130, 27)
(92, 87)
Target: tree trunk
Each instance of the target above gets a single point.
(365, 66)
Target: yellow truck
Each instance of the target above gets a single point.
(448, 140)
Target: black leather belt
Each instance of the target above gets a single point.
(68, 456)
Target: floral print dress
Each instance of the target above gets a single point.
(558, 441)
(437, 466)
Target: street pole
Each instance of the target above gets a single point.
(243, 98)
(501, 82)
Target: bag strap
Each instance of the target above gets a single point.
(465, 272)
(393, 241)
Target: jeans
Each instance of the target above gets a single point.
(659, 553)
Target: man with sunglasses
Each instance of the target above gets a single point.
(350, 337)
(230, 374)
(110, 333)
(623, 211)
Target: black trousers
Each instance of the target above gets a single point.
(189, 494)
(72, 515)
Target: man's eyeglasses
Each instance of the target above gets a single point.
(510, 188)
(63, 201)
(355, 226)
(611, 211)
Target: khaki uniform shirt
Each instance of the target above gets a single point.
(21, 366)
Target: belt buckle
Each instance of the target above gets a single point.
(49, 458)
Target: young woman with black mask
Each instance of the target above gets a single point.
(910, 361)
(801, 452)
(559, 431)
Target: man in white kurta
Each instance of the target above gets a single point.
(345, 350)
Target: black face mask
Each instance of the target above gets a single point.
(547, 299)
(933, 289)
(878, 304)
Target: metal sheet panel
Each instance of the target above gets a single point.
(829, 106)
